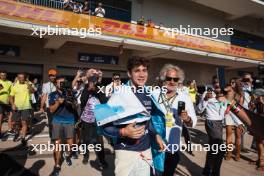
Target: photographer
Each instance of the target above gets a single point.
(78, 86)
(247, 89)
(62, 108)
(214, 108)
(89, 131)
(116, 82)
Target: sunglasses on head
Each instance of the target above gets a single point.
(171, 78)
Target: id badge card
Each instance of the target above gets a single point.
(170, 121)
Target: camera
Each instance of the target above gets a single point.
(93, 79)
(67, 91)
(258, 83)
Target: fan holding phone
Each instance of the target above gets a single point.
(179, 113)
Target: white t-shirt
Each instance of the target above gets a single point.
(99, 12)
(173, 134)
(47, 88)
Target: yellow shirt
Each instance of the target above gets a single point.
(4, 93)
(192, 94)
(21, 95)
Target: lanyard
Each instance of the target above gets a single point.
(222, 105)
(167, 102)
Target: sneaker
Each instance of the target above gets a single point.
(74, 155)
(207, 172)
(16, 137)
(56, 171)
(23, 141)
(103, 164)
(67, 159)
(85, 160)
(10, 132)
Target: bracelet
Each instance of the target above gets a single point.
(235, 107)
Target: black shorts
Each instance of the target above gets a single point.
(4, 108)
(62, 131)
(23, 115)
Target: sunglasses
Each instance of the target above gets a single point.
(116, 79)
(52, 76)
(171, 78)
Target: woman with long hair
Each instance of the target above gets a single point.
(231, 121)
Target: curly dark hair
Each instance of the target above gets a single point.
(136, 61)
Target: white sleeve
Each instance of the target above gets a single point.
(44, 89)
(201, 106)
(190, 110)
(203, 95)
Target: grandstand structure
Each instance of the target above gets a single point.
(200, 55)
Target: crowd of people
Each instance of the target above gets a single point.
(140, 125)
(84, 8)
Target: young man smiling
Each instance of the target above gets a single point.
(137, 127)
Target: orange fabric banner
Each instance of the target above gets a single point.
(33, 14)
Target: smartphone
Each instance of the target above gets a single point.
(181, 107)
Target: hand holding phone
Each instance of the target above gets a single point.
(181, 107)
